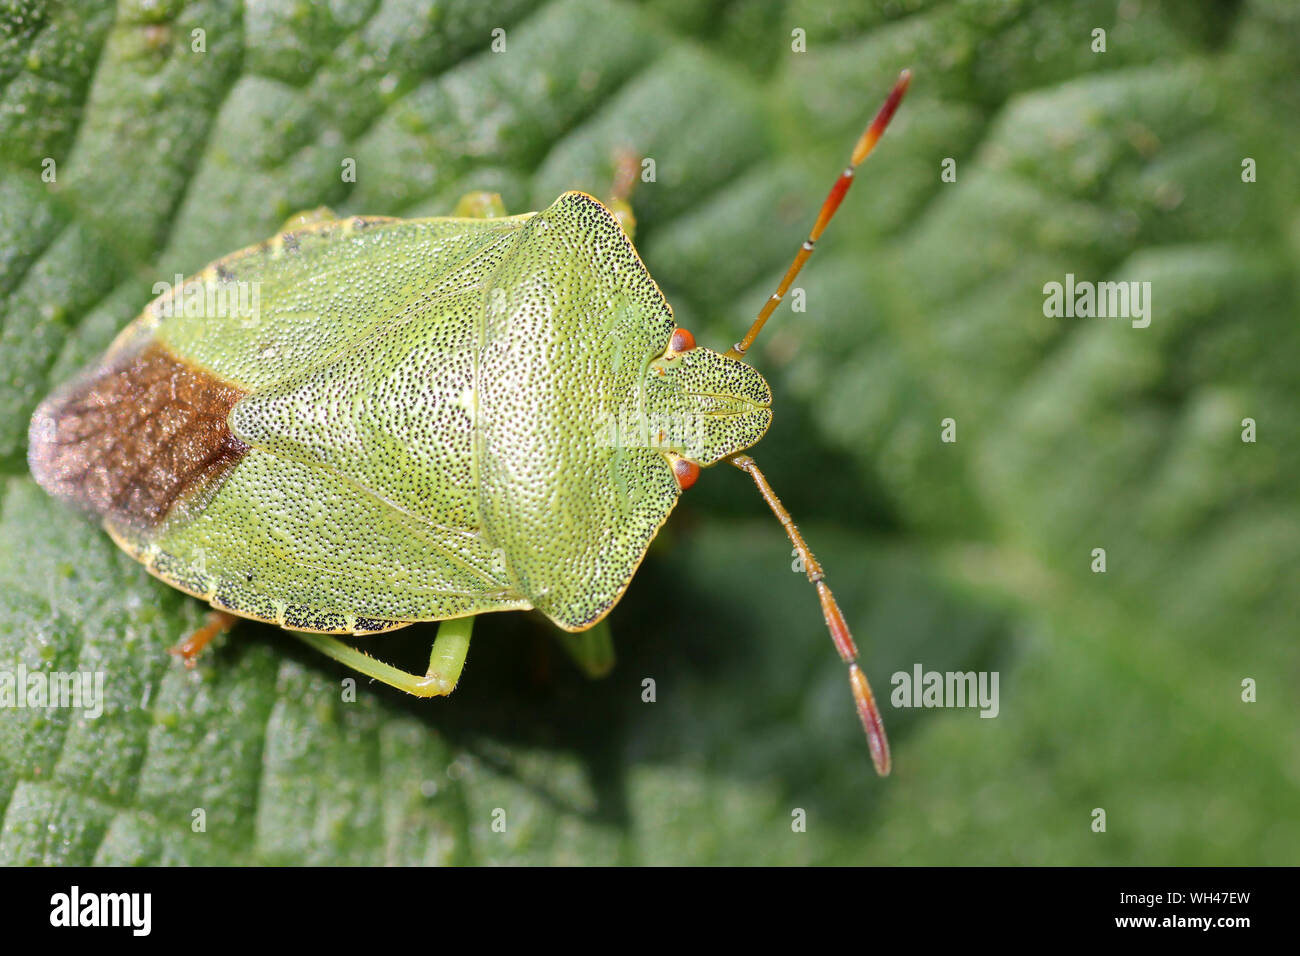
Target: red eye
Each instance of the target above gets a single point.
(682, 341)
(686, 471)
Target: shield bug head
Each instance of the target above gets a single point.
(714, 406)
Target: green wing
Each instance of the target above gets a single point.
(354, 508)
(298, 546)
(292, 302)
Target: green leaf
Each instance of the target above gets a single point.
(1120, 691)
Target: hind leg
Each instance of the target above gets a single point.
(592, 650)
(446, 659)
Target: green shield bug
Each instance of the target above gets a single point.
(366, 422)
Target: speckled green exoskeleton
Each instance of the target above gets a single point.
(365, 422)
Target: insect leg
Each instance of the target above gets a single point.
(480, 204)
(446, 659)
(627, 170)
(839, 628)
(592, 650)
(308, 217)
(217, 622)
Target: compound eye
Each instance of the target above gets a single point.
(686, 472)
(682, 341)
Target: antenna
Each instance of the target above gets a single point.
(868, 713)
(866, 143)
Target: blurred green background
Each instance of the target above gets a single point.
(1119, 691)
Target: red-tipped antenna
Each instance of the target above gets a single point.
(865, 701)
(861, 151)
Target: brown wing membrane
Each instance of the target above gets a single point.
(135, 437)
